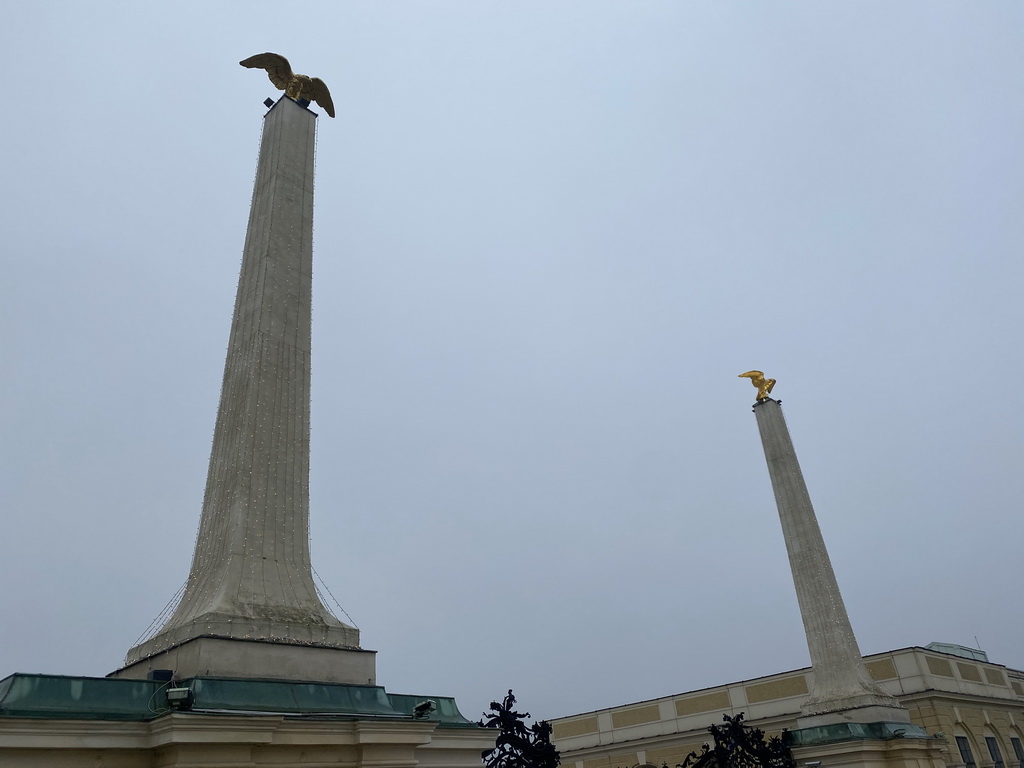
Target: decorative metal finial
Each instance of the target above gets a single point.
(764, 386)
(296, 87)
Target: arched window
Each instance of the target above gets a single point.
(994, 752)
(964, 745)
(1018, 748)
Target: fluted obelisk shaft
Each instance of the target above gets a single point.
(251, 575)
(841, 681)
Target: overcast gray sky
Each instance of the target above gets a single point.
(548, 238)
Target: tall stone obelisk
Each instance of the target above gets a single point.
(250, 608)
(843, 689)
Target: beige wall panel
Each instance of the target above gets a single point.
(672, 755)
(73, 758)
(705, 703)
(288, 755)
(972, 718)
(636, 716)
(994, 676)
(564, 730)
(625, 760)
(621, 760)
(999, 721)
(210, 754)
(927, 718)
(883, 669)
(969, 672)
(939, 667)
(776, 689)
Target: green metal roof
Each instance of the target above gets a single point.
(447, 709)
(53, 696)
(829, 734)
(104, 698)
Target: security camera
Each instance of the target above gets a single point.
(424, 708)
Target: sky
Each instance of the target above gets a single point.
(548, 237)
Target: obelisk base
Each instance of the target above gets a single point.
(882, 745)
(851, 712)
(260, 659)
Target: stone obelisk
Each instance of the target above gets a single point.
(843, 689)
(250, 608)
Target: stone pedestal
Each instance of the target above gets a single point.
(892, 752)
(273, 660)
(251, 577)
(843, 690)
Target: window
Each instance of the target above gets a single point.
(1018, 750)
(993, 751)
(965, 751)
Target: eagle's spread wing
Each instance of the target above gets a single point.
(764, 386)
(277, 66)
(321, 95)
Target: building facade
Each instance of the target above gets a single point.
(972, 708)
(52, 721)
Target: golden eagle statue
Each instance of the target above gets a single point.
(294, 86)
(764, 386)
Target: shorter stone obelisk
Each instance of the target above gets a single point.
(843, 689)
